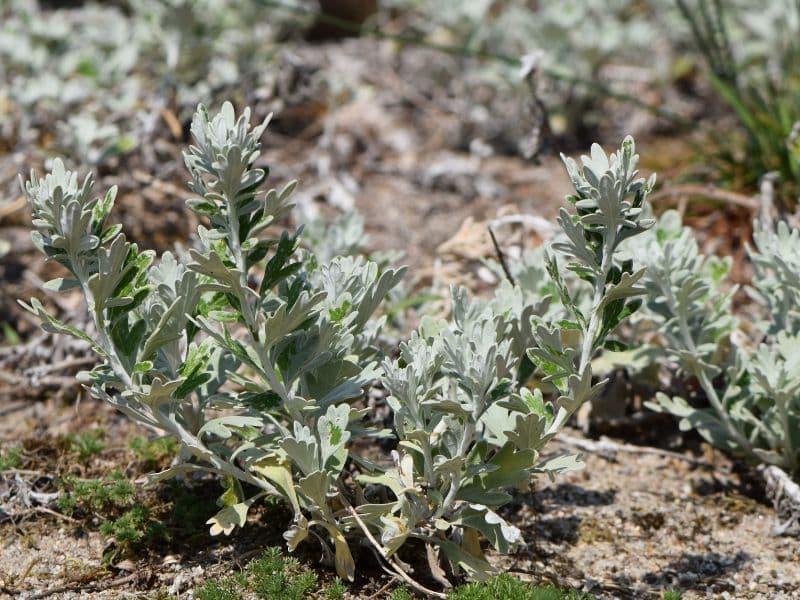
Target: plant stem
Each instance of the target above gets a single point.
(385, 555)
(701, 373)
(455, 483)
(594, 321)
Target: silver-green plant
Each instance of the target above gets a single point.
(609, 200)
(254, 355)
(58, 63)
(467, 427)
(753, 394)
(240, 328)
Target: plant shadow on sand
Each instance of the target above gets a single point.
(698, 571)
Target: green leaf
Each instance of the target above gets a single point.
(53, 325)
(127, 338)
(279, 472)
(615, 345)
(230, 517)
(511, 468)
(225, 427)
(260, 401)
(500, 534)
(61, 285)
(343, 559)
(277, 268)
(143, 367)
(333, 435)
(475, 567)
(194, 369)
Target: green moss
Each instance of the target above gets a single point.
(133, 529)
(276, 576)
(507, 587)
(108, 494)
(336, 590)
(224, 589)
(10, 459)
(87, 443)
(154, 453)
(273, 576)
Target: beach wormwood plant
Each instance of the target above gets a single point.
(255, 355)
(753, 390)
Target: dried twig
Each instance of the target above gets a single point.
(502, 258)
(53, 513)
(89, 587)
(389, 560)
(607, 449)
(81, 361)
(384, 587)
(706, 191)
(785, 495)
(436, 570)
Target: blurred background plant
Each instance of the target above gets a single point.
(559, 61)
(752, 57)
(59, 67)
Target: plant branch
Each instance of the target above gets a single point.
(385, 555)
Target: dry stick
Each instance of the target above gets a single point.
(58, 515)
(89, 587)
(68, 363)
(24, 472)
(502, 258)
(385, 587)
(436, 571)
(606, 447)
(785, 494)
(24, 575)
(707, 191)
(402, 574)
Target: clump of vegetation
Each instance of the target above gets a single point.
(510, 588)
(567, 49)
(136, 520)
(86, 444)
(277, 576)
(135, 528)
(297, 336)
(271, 576)
(113, 501)
(753, 389)
(254, 356)
(112, 493)
(10, 458)
(56, 67)
(752, 57)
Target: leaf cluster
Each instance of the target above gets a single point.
(753, 389)
(254, 355)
